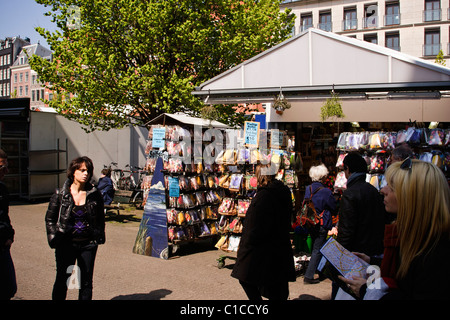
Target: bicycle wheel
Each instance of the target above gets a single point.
(138, 200)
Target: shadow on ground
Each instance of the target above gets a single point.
(152, 295)
(122, 217)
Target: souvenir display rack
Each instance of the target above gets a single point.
(191, 196)
(210, 200)
(239, 184)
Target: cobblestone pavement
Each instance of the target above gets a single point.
(122, 275)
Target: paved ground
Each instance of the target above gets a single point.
(122, 275)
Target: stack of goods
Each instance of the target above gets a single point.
(428, 144)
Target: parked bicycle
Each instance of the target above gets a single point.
(116, 174)
(125, 184)
(137, 197)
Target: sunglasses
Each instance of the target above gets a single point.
(406, 164)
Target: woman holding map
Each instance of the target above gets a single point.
(417, 244)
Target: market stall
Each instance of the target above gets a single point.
(196, 192)
(382, 93)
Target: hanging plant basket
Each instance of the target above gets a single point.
(281, 103)
(332, 108)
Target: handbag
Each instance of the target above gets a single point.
(308, 215)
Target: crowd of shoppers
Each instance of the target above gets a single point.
(409, 248)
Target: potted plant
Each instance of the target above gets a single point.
(280, 104)
(209, 113)
(332, 108)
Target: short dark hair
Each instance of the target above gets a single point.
(354, 162)
(106, 172)
(402, 152)
(76, 163)
(3, 154)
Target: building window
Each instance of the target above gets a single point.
(371, 37)
(393, 41)
(26, 91)
(305, 21)
(325, 21)
(26, 76)
(33, 95)
(15, 78)
(432, 44)
(21, 77)
(392, 16)
(432, 10)
(371, 16)
(350, 20)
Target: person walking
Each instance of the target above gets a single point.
(265, 260)
(417, 244)
(325, 205)
(75, 226)
(8, 284)
(362, 216)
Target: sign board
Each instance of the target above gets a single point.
(251, 133)
(152, 239)
(159, 136)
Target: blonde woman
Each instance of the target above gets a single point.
(417, 258)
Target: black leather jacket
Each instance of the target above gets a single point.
(58, 217)
(6, 230)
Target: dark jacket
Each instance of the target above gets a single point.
(105, 186)
(323, 200)
(427, 277)
(6, 230)
(265, 254)
(361, 218)
(58, 217)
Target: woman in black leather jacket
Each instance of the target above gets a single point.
(75, 227)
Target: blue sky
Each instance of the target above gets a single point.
(20, 17)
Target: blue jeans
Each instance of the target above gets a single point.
(67, 253)
(8, 284)
(318, 237)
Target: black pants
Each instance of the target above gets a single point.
(8, 284)
(319, 237)
(272, 292)
(67, 253)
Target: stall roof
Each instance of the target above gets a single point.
(14, 108)
(180, 118)
(317, 61)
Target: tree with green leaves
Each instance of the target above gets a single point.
(120, 62)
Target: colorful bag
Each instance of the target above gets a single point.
(243, 205)
(308, 215)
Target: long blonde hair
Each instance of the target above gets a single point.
(423, 218)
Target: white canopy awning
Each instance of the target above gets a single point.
(315, 60)
(180, 118)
